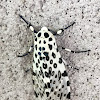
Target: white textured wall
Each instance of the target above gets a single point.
(15, 37)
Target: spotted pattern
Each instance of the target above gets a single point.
(50, 78)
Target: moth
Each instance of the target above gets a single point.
(49, 75)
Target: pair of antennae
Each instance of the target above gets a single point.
(54, 33)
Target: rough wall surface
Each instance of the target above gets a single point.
(15, 38)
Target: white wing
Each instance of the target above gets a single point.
(51, 80)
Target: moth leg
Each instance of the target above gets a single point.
(62, 30)
(29, 69)
(60, 48)
(68, 65)
(28, 23)
(26, 53)
(72, 51)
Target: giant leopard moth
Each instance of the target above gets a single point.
(50, 78)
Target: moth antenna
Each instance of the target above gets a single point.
(69, 25)
(62, 30)
(29, 24)
(24, 19)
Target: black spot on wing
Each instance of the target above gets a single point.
(40, 42)
(59, 75)
(50, 98)
(41, 72)
(45, 53)
(44, 66)
(39, 34)
(35, 94)
(68, 83)
(48, 84)
(47, 93)
(46, 35)
(53, 55)
(64, 95)
(54, 82)
(62, 86)
(58, 95)
(33, 82)
(33, 60)
(57, 49)
(35, 55)
(52, 89)
(43, 48)
(56, 76)
(68, 95)
(55, 65)
(51, 61)
(41, 94)
(50, 46)
(45, 86)
(60, 60)
(61, 95)
(41, 58)
(47, 58)
(39, 53)
(52, 73)
(55, 93)
(36, 47)
(64, 74)
(35, 39)
(47, 74)
(44, 42)
(50, 70)
(50, 39)
(33, 73)
(37, 65)
(38, 61)
(40, 48)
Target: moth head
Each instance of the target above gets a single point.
(44, 29)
